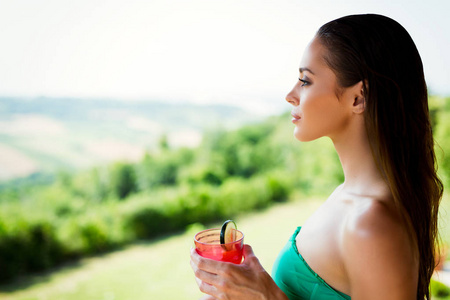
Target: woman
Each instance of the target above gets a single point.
(362, 85)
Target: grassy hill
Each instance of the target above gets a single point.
(47, 134)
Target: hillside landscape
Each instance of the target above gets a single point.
(49, 134)
(170, 188)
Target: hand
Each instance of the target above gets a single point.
(207, 297)
(228, 281)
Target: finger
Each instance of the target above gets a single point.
(203, 286)
(208, 289)
(203, 275)
(207, 297)
(205, 264)
(198, 281)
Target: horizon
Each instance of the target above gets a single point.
(201, 52)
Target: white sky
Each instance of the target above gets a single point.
(243, 52)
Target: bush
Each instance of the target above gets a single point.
(279, 185)
(148, 223)
(179, 207)
(95, 237)
(12, 256)
(123, 179)
(439, 290)
(28, 246)
(162, 169)
(443, 145)
(45, 249)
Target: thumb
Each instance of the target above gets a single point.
(248, 251)
(250, 258)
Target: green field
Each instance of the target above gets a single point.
(160, 269)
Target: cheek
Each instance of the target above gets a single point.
(314, 108)
(321, 115)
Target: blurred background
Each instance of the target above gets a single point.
(127, 126)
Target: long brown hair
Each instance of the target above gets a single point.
(379, 52)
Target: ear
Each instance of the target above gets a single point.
(359, 102)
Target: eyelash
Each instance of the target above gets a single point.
(304, 82)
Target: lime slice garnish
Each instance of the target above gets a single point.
(228, 232)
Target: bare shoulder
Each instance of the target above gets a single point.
(379, 255)
(375, 221)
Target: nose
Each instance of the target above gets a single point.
(293, 97)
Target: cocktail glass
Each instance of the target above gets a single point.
(207, 244)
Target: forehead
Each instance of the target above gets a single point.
(313, 57)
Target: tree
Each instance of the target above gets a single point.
(123, 179)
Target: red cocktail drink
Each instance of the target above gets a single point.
(207, 244)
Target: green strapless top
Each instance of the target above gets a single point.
(297, 280)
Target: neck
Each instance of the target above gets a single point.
(362, 175)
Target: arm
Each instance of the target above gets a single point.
(223, 280)
(379, 255)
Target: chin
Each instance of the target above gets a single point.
(302, 137)
(299, 135)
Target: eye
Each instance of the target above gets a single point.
(304, 82)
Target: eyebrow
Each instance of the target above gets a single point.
(306, 69)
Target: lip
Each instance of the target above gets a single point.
(295, 117)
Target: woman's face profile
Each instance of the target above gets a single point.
(317, 109)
